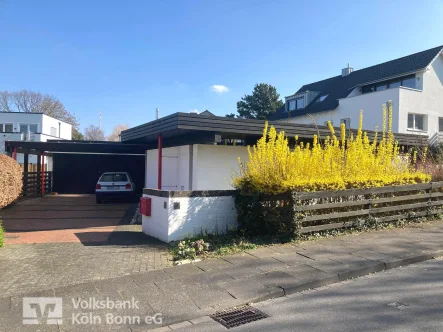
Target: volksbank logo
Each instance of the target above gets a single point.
(42, 310)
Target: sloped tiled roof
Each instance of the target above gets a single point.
(339, 87)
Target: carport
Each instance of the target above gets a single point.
(78, 164)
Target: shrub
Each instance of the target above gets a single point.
(10, 180)
(189, 249)
(2, 239)
(337, 163)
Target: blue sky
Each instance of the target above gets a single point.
(125, 58)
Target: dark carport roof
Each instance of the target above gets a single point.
(64, 146)
(339, 87)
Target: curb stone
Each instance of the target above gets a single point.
(315, 285)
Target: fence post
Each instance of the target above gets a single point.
(295, 214)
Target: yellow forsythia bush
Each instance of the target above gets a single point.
(10, 180)
(336, 163)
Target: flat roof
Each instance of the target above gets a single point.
(65, 146)
(187, 128)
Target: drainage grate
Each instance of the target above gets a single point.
(238, 316)
(398, 305)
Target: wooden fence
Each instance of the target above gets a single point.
(305, 212)
(32, 183)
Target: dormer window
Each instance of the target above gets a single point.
(321, 98)
(296, 104)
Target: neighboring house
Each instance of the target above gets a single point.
(413, 83)
(37, 127)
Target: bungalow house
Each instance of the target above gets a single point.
(413, 83)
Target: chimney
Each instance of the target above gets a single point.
(346, 71)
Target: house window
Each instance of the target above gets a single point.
(416, 121)
(406, 81)
(347, 122)
(321, 98)
(381, 87)
(296, 104)
(24, 128)
(368, 88)
(394, 84)
(300, 103)
(409, 82)
(54, 131)
(440, 124)
(6, 128)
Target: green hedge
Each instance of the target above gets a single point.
(270, 215)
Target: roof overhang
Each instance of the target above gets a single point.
(184, 128)
(81, 147)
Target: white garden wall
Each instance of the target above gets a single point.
(179, 214)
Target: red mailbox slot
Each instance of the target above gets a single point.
(145, 206)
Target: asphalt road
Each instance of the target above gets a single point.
(405, 299)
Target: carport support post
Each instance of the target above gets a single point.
(160, 156)
(14, 153)
(43, 174)
(25, 172)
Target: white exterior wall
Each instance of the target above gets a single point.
(428, 102)
(175, 168)
(370, 103)
(65, 128)
(426, 99)
(195, 215)
(157, 224)
(212, 167)
(44, 124)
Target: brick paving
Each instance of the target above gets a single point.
(62, 218)
(62, 240)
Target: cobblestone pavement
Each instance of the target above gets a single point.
(65, 241)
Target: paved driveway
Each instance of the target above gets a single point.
(63, 218)
(69, 239)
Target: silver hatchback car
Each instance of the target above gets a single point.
(114, 184)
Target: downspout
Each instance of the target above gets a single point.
(160, 156)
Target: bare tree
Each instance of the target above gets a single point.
(36, 102)
(115, 135)
(93, 133)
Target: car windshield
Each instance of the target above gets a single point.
(114, 177)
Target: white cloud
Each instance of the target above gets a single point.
(194, 111)
(219, 88)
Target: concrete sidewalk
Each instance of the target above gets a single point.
(184, 293)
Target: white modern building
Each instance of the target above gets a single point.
(34, 127)
(413, 83)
